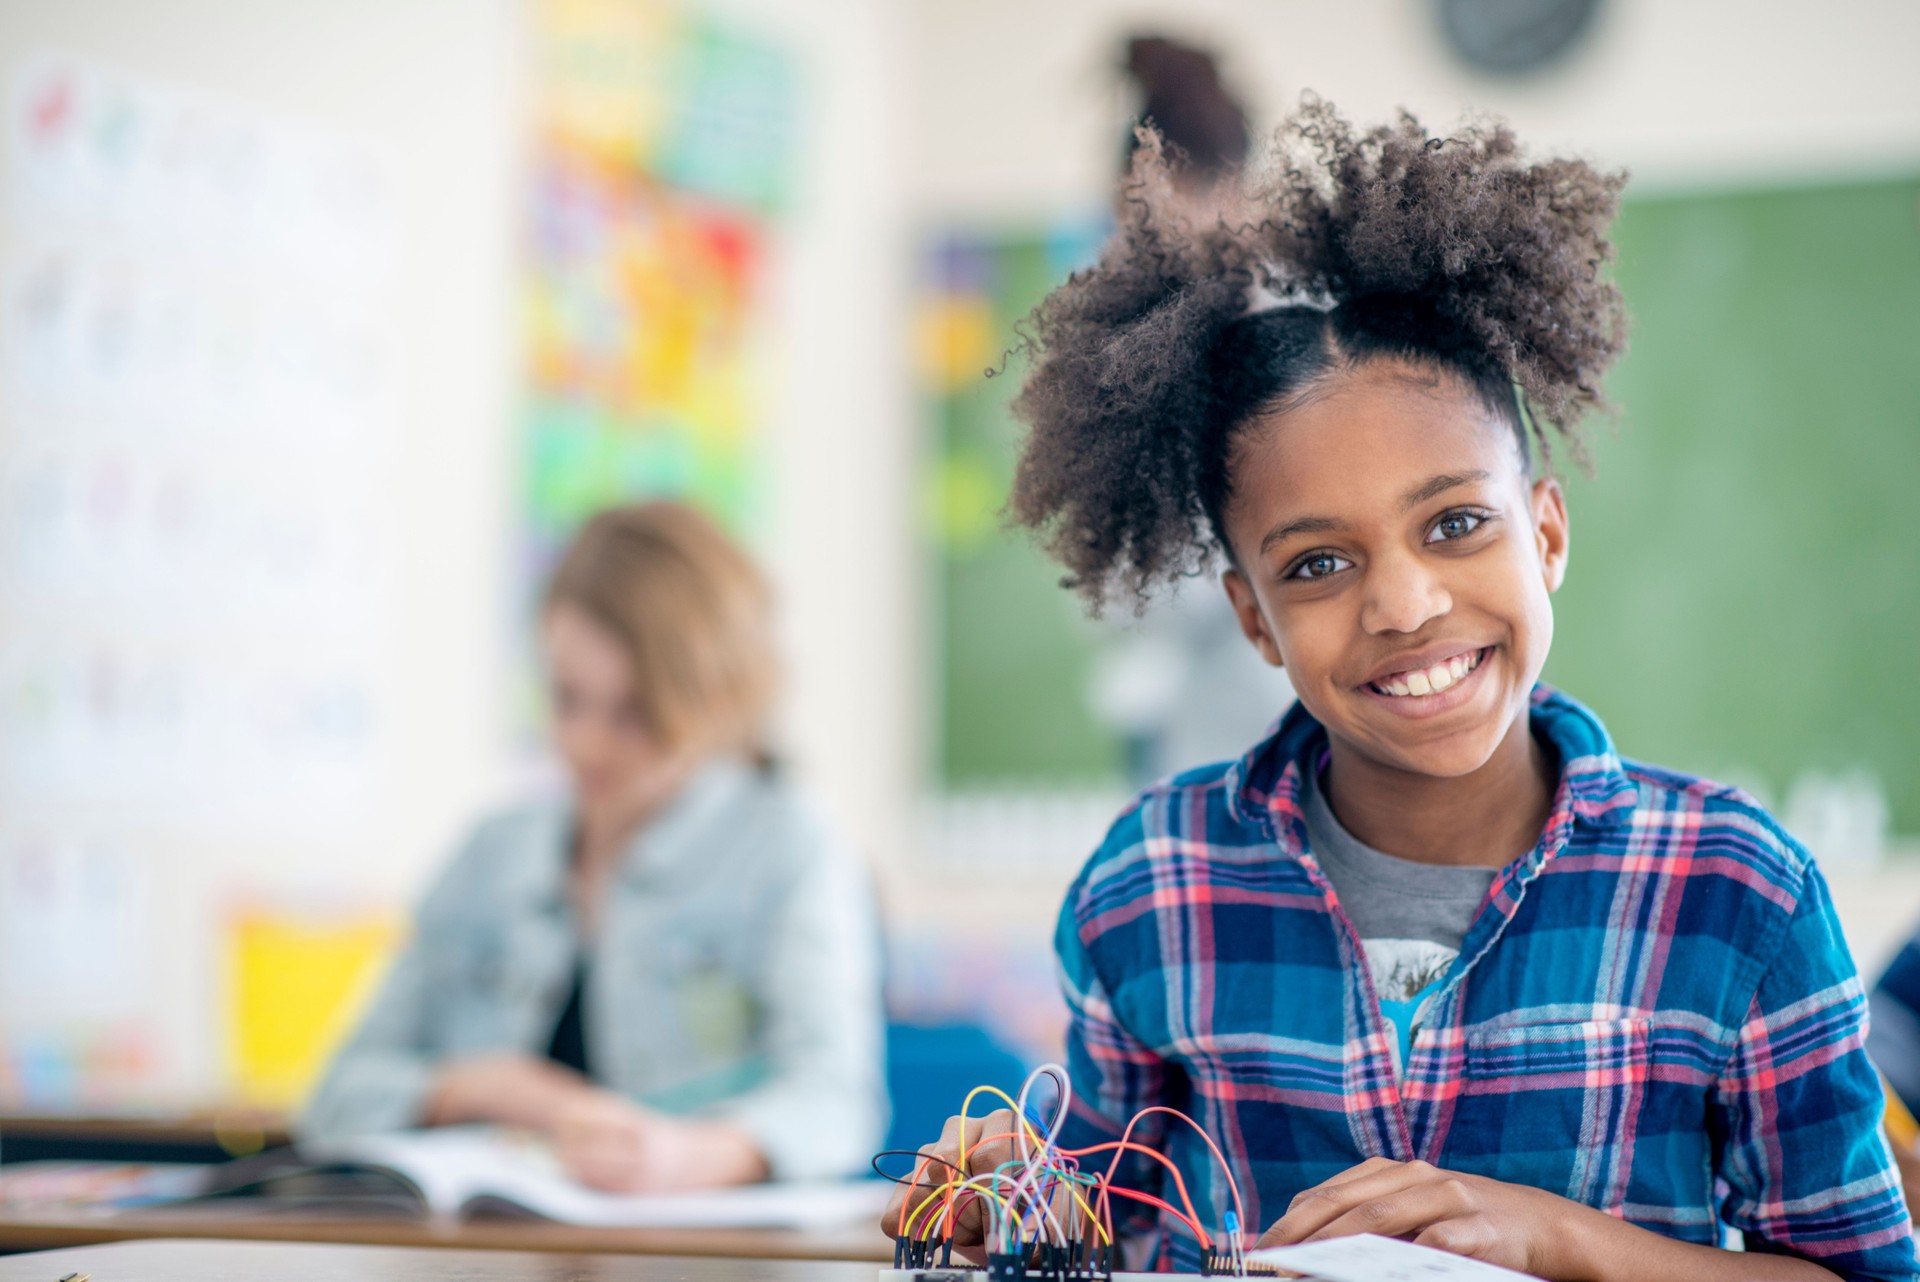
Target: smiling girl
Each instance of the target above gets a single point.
(1431, 960)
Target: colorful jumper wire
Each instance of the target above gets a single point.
(1049, 1210)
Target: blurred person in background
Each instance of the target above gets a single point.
(1180, 683)
(673, 973)
(1199, 121)
(1893, 1042)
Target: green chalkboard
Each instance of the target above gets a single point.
(1013, 650)
(1745, 583)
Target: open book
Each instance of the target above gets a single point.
(468, 1171)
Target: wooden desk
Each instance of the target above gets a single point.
(282, 1262)
(40, 1230)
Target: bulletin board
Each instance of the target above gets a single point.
(663, 140)
(662, 151)
(1011, 700)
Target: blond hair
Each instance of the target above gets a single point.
(693, 613)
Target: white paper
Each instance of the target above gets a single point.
(756, 1206)
(1367, 1258)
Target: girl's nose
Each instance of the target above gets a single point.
(1403, 594)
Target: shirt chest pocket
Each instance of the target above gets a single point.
(701, 977)
(1556, 1105)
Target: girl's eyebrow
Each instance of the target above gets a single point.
(1427, 489)
(1438, 485)
(1305, 525)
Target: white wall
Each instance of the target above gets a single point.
(431, 86)
(1018, 114)
(840, 433)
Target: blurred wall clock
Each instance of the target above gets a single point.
(1511, 37)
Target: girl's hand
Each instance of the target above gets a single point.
(1510, 1225)
(1515, 1227)
(971, 1226)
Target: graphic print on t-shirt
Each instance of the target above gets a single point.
(1403, 967)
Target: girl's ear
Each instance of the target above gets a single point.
(1253, 624)
(1550, 530)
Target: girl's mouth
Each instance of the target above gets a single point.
(1419, 683)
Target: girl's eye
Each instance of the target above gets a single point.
(1318, 565)
(1455, 525)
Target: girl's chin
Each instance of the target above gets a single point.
(1443, 752)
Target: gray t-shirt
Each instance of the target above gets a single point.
(1411, 916)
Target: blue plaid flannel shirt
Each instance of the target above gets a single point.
(1654, 1012)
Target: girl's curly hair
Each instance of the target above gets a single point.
(1449, 252)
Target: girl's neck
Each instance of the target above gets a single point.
(1486, 818)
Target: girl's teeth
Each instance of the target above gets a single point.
(1431, 680)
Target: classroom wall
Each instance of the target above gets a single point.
(430, 86)
(1016, 113)
(840, 439)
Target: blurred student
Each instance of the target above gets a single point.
(1183, 98)
(1894, 1036)
(1893, 1041)
(673, 973)
(1212, 694)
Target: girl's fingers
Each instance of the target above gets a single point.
(1371, 1166)
(895, 1211)
(940, 1167)
(1402, 1212)
(1322, 1204)
(907, 1198)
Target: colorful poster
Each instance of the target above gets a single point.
(662, 151)
(1012, 702)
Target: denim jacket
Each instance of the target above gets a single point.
(735, 975)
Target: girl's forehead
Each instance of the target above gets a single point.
(1366, 437)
